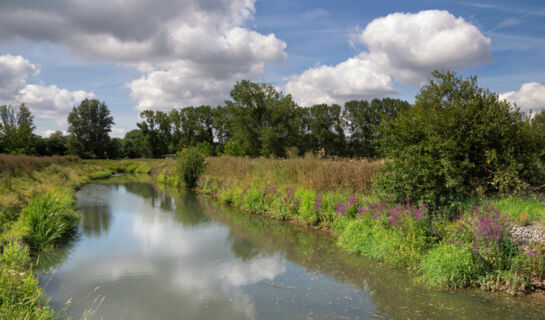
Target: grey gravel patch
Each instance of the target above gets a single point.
(528, 234)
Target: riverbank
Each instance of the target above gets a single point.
(476, 249)
(38, 212)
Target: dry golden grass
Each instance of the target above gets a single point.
(23, 164)
(309, 172)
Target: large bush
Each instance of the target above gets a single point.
(190, 165)
(457, 141)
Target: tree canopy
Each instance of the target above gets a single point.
(90, 124)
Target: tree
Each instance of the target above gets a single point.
(325, 129)
(135, 146)
(362, 120)
(16, 129)
(248, 109)
(89, 126)
(457, 141)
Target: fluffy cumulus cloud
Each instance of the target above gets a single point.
(355, 78)
(48, 102)
(404, 46)
(530, 96)
(179, 44)
(14, 71)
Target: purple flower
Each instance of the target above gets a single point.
(318, 202)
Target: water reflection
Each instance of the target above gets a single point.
(162, 257)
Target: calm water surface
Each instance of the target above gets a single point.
(143, 254)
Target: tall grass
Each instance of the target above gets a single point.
(20, 293)
(310, 173)
(22, 164)
(48, 220)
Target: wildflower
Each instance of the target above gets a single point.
(318, 202)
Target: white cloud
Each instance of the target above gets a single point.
(403, 45)
(410, 46)
(48, 133)
(180, 44)
(49, 102)
(14, 71)
(118, 132)
(530, 96)
(355, 78)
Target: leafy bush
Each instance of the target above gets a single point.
(457, 141)
(49, 219)
(190, 165)
(449, 265)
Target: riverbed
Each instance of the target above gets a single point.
(143, 253)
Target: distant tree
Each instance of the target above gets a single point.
(249, 110)
(135, 146)
(16, 129)
(326, 130)
(57, 143)
(362, 120)
(222, 127)
(89, 126)
(282, 127)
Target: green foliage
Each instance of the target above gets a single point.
(362, 119)
(457, 141)
(48, 220)
(448, 265)
(205, 148)
(326, 131)
(307, 208)
(89, 126)
(253, 200)
(101, 174)
(16, 130)
(190, 165)
(513, 207)
(20, 294)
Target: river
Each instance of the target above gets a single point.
(146, 254)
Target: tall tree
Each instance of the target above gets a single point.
(248, 106)
(362, 120)
(90, 124)
(326, 129)
(16, 129)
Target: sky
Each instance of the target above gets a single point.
(143, 54)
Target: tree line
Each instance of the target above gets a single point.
(257, 121)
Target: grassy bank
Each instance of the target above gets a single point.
(37, 212)
(473, 250)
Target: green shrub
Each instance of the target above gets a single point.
(48, 220)
(308, 209)
(254, 200)
(457, 141)
(101, 174)
(448, 265)
(190, 165)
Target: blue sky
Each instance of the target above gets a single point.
(136, 54)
